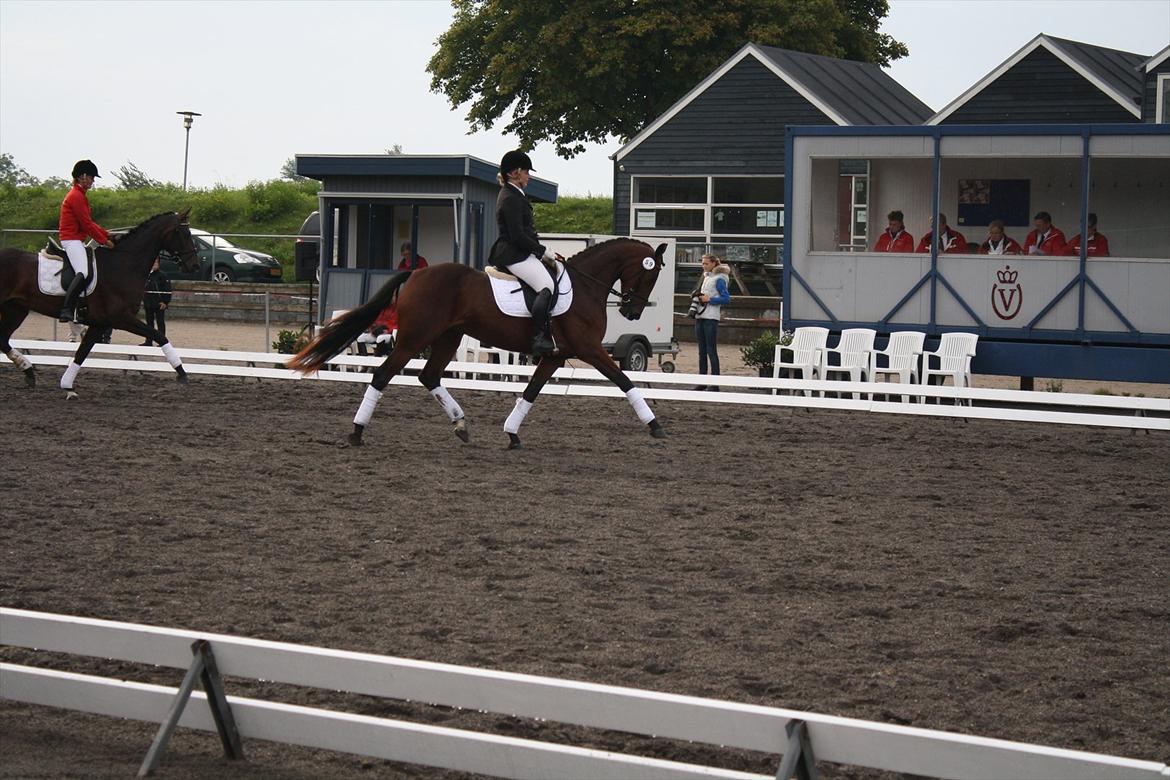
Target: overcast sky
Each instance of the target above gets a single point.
(274, 79)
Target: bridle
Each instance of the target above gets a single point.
(185, 253)
(626, 297)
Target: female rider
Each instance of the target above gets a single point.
(519, 249)
(75, 226)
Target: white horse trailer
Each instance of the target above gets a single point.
(632, 343)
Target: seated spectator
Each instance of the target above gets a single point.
(381, 333)
(1046, 239)
(950, 241)
(1096, 246)
(895, 238)
(410, 261)
(997, 243)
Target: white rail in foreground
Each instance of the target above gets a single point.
(833, 739)
(1010, 405)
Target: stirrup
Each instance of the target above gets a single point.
(66, 315)
(543, 346)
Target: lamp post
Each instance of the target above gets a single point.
(188, 119)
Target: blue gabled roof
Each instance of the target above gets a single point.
(318, 166)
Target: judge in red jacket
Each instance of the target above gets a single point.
(1096, 245)
(950, 241)
(895, 238)
(997, 242)
(1046, 239)
(76, 224)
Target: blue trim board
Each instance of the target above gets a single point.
(1073, 361)
(939, 131)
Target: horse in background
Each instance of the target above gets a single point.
(114, 303)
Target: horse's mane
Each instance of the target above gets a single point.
(144, 223)
(585, 253)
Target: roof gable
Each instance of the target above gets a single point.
(847, 92)
(1111, 71)
(1156, 60)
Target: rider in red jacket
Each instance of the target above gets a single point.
(76, 224)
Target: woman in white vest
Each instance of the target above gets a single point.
(712, 296)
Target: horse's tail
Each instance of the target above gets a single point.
(338, 333)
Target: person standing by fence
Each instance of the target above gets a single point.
(156, 300)
(712, 296)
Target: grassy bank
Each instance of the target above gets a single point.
(275, 207)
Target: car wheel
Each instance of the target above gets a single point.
(636, 358)
(223, 275)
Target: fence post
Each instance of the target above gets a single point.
(267, 333)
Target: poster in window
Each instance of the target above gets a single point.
(646, 219)
(982, 200)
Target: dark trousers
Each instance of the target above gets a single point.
(707, 333)
(157, 319)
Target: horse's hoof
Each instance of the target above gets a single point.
(513, 441)
(70, 395)
(355, 440)
(656, 430)
(181, 378)
(30, 378)
(461, 430)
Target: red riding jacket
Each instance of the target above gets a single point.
(1053, 245)
(956, 243)
(76, 221)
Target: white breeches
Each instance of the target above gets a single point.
(76, 251)
(533, 272)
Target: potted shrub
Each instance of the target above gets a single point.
(761, 351)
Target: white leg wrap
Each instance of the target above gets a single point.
(69, 375)
(366, 410)
(23, 363)
(516, 418)
(454, 412)
(172, 355)
(640, 406)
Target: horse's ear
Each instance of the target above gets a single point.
(658, 253)
(183, 215)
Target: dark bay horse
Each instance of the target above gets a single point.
(445, 301)
(115, 301)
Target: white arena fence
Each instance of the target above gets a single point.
(941, 400)
(658, 715)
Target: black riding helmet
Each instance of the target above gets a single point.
(515, 159)
(85, 166)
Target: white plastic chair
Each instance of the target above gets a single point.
(852, 353)
(473, 349)
(901, 357)
(806, 346)
(952, 358)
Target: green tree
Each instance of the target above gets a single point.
(576, 71)
(289, 170)
(131, 177)
(13, 175)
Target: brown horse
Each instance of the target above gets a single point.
(445, 301)
(115, 301)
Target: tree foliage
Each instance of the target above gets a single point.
(576, 71)
(12, 174)
(289, 170)
(131, 177)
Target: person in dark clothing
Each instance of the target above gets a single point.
(156, 301)
(518, 249)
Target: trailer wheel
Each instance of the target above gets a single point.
(667, 366)
(636, 358)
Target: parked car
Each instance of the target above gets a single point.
(231, 263)
(307, 254)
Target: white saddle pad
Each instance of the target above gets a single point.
(49, 275)
(510, 299)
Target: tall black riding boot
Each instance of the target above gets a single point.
(71, 298)
(542, 343)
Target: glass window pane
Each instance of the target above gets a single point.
(654, 189)
(747, 220)
(753, 189)
(668, 219)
